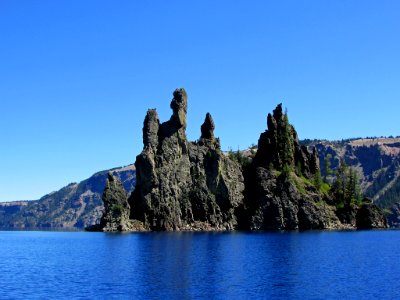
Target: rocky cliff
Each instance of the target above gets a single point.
(184, 185)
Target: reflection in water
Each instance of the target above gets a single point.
(311, 265)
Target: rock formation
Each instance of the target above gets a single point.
(370, 216)
(282, 192)
(184, 185)
(279, 146)
(116, 207)
(279, 193)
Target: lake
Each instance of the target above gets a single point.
(239, 265)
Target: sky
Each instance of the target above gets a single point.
(77, 77)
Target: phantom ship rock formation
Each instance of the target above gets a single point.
(182, 185)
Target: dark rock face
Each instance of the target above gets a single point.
(150, 129)
(116, 207)
(369, 216)
(277, 204)
(347, 215)
(207, 129)
(183, 185)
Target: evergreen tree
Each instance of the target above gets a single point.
(346, 187)
(339, 185)
(317, 180)
(327, 166)
(353, 191)
(285, 142)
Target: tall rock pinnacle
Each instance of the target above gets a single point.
(179, 107)
(207, 129)
(150, 129)
(116, 207)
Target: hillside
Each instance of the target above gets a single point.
(376, 161)
(75, 206)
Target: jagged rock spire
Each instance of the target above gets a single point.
(116, 207)
(150, 129)
(278, 112)
(179, 107)
(208, 127)
(279, 145)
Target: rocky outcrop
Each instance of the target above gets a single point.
(277, 204)
(116, 207)
(362, 216)
(370, 216)
(280, 193)
(183, 185)
(283, 191)
(279, 146)
(207, 129)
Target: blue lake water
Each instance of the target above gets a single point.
(308, 265)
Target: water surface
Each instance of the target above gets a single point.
(308, 265)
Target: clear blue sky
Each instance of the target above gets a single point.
(77, 77)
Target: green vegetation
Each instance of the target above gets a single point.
(239, 157)
(318, 180)
(327, 166)
(346, 187)
(285, 142)
(300, 184)
(303, 184)
(117, 208)
(325, 188)
(286, 170)
(298, 169)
